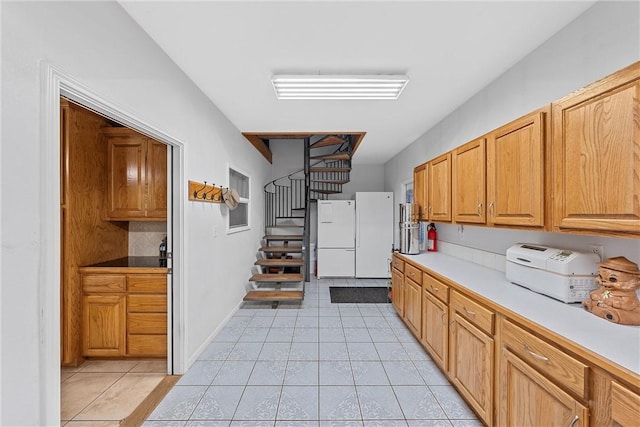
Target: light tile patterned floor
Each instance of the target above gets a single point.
(314, 364)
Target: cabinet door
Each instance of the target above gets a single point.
(515, 172)
(156, 180)
(104, 322)
(596, 155)
(469, 174)
(435, 334)
(439, 188)
(412, 306)
(625, 406)
(397, 289)
(529, 399)
(126, 177)
(471, 365)
(420, 190)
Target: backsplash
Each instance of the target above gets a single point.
(478, 256)
(145, 237)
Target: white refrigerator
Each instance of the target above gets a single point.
(374, 234)
(355, 237)
(336, 238)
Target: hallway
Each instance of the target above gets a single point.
(314, 364)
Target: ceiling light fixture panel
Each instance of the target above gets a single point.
(338, 86)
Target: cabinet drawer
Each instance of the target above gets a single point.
(147, 323)
(147, 304)
(147, 284)
(398, 264)
(413, 273)
(566, 371)
(147, 345)
(476, 314)
(435, 287)
(103, 283)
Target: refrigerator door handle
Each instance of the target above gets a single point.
(357, 228)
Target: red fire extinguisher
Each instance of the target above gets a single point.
(432, 237)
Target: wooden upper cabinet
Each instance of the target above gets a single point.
(439, 188)
(596, 156)
(156, 180)
(420, 184)
(516, 172)
(469, 174)
(137, 176)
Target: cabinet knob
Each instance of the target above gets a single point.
(480, 209)
(469, 312)
(434, 288)
(491, 209)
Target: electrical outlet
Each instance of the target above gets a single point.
(598, 250)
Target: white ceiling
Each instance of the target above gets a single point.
(449, 49)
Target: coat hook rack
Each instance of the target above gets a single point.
(203, 192)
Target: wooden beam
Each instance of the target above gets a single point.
(259, 144)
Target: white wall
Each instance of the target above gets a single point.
(97, 44)
(600, 41)
(362, 178)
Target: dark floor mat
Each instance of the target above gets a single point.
(375, 295)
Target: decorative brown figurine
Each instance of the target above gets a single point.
(616, 299)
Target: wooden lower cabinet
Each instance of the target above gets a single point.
(412, 306)
(625, 406)
(435, 329)
(103, 326)
(471, 365)
(397, 291)
(527, 398)
(124, 315)
(509, 370)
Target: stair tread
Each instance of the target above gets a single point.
(335, 156)
(285, 226)
(283, 237)
(293, 295)
(326, 191)
(319, 169)
(327, 141)
(289, 249)
(329, 181)
(280, 262)
(283, 277)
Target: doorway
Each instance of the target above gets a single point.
(114, 199)
(56, 85)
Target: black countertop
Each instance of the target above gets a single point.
(133, 261)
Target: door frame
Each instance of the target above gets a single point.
(54, 84)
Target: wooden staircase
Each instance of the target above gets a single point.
(281, 268)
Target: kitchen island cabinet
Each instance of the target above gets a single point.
(124, 309)
(521, 358)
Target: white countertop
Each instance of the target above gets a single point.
(618, 343)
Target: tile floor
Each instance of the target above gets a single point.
(314, 364)
(103, 392)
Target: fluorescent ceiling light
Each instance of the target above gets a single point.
(338, 87)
